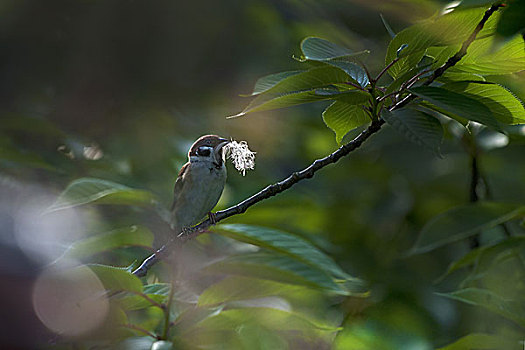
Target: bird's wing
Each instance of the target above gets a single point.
(177, 189)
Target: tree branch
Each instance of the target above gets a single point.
(266, 193)
(308, 172)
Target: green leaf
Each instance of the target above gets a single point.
(458, 104)
(464, 221)
(357, 73)
(284, 243)
(293, 99)
(341, 117)
(482, 341)
(503, 104)
(91, 190)
(449, 29)
(416, 126)
(317, 49)
(510, 309)
(123, 237)
(267, 82)
(512, 19)
(314, 78)
(116, 278)
(483, 60)
(236, 288)
(281, 268)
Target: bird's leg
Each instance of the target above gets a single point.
(212, 217)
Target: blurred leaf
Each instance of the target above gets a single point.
(317, 49)
(267, 82)
(280, 268)
(162, 345)
(503, 104)
(24, 158)
(235, 288)
(483, 341)
(512, 19)
(459, 104)
(275, 319)
(191, 317)
(451, 28)
(483, 256)
(342, 117)
(416, 126)
(387, 26)
(116, 278)
(284, 243)
(123, 237)
(137, 302)
(91, 190)
(294, 99)
(483, 60)
(136, 343)
(510, 309)
(474, 3)
(464, 221)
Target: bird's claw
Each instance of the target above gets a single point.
(212, 217)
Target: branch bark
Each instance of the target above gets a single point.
(308, 172)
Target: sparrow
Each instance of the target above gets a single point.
(200, 183)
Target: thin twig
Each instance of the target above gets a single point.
(308, 172)
(473, 193)
(384, 70)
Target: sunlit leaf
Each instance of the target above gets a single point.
(317, 49)
(464, 221)
(503, 104)
(513, 310)
(458, 104)
(116, 279)
(123, 237)
(342, 117)
(483, 60)
(91, 190)
(284, 243)
(482, 341)
(416, 126)
(449, 29)
(314, 78)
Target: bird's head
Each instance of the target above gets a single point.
(208, 148)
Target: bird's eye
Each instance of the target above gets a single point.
(203, 151)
